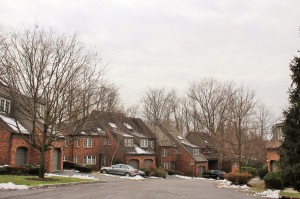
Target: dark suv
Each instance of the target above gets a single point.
(215, 174)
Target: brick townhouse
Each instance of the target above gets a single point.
(273, 147)
(105, 138)
(176, 152)
(207, 148)
(14, 150)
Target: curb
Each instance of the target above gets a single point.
(64, 184)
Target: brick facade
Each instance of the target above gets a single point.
(10, 142)
(273, 158)
(187, 164)
(99, 149)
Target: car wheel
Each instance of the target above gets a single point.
(104, 172)
(218, 178)
(127, 174)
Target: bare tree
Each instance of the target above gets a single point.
(263, 120)
(132, 110)
(157, 106)
(241, 108)
(45, 73)
(208, 103)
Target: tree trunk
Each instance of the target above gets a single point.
(42, 164)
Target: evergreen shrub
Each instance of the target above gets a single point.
(273, 181)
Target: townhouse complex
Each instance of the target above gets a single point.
(102, 139)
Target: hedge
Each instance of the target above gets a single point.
(262, 172)
(80, 168)
(159, 172)
(8, 170)
(238, 178)
(249, 170)
(273, 181)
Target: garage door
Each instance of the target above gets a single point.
(134, 163)
(21, 156)
(148, 163)
(56, 160)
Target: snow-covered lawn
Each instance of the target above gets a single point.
(87, 177)
(11, 186)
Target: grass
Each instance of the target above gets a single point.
(34, 181)
(288, 194)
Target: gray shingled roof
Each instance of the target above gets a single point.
(162, 138)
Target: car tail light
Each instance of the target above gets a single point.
(136, 171)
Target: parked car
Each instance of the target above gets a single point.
(215, 174)
(122, 169)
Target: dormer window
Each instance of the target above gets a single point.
(100, 130)
(128, 126)
(128, 142)
(151, 144)
(4, 105)
(196, 152)
(112, 125)
(144, 143)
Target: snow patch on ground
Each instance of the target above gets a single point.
(228, 184)
(268, 194)
(137, 177)
(86, 177)
(193, 178)
(12, 186)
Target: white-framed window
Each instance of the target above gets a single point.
(78, 143)
(144, 143)
(104, 141)
(175, 151)
(166, 165)
(66, 142)
(164, 152)
(151, 144)
(128, 142)
(41, 110)
(87, 142)
(76, 159)
(4, 105)
(64, 158)
(196, 152)
(89, 159)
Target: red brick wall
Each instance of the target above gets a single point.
(141, 159)
(187, 164)
(4, 146)
(33, 156)
(171, 156)
(272, 155)
(97, 148)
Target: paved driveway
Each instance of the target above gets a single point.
(172, 188)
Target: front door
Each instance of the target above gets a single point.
(21, 156)
(56, 159)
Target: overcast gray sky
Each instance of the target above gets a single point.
(155, 43)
